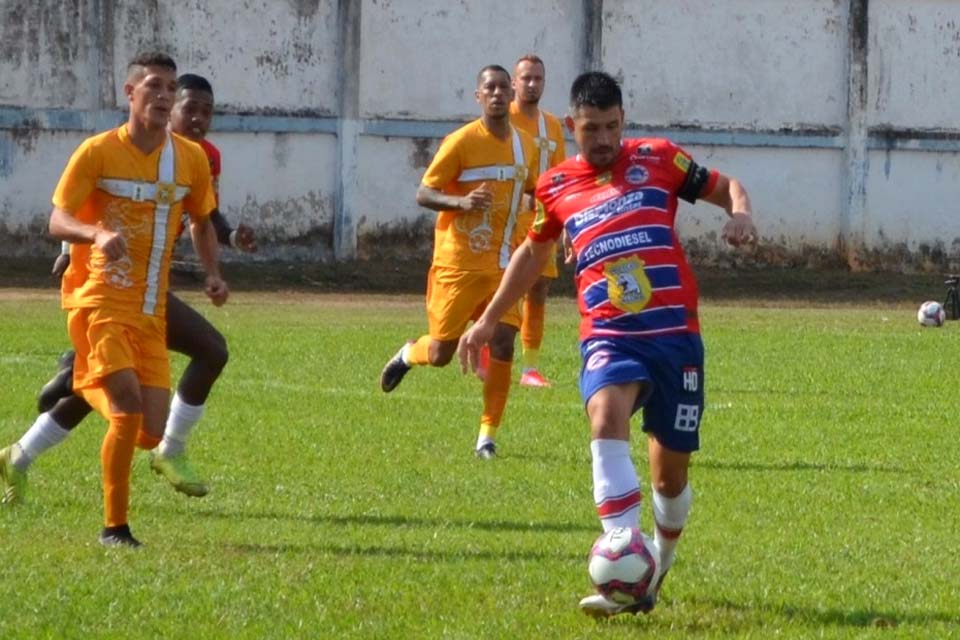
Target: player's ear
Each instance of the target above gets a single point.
(476, 94)
(128, 90)
(567, 120)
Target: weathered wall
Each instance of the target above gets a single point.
(839, 115)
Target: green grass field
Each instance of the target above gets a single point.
(825, 501)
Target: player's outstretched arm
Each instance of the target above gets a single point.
(525, 267)
(479, 199)
(732, 197)
(205, 243)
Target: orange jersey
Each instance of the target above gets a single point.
(547, 133)
(111, 183)
(466, 159)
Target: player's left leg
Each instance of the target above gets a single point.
(531, 333)
(191, 334)
(496, 387)
(672, 498)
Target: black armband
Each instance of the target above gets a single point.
(221, 226)
(697, 178)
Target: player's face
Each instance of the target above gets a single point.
(494, 94)
(192, 113)
(597, 133)
(528, 81)
(151, 93)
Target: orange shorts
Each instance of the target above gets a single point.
(107, 341)
(456, 297)
(524, 222)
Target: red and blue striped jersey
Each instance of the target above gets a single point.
(632, 275)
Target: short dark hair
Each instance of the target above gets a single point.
(193, 82)
(530, 57)
(595, 89)
(491, 67)
(152, 59)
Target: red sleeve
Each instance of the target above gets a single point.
(547, 225)
(693, 181)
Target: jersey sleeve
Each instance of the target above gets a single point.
(445, 167)
(693, 180)
(78, 179)
(546, 226)
(200, 201)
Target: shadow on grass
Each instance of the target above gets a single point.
(400, 521)
(795, 465)
(427, 555)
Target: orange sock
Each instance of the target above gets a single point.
(531, 332)
(495, 389)
(418, 354)
(116, 457)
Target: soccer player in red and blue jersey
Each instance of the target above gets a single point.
(640, 333)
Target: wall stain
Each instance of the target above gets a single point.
(421, 155)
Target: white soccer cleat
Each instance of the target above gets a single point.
(599, 606)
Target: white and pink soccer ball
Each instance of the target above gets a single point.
(624, 565)
(931, 314)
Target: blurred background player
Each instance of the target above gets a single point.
(119, 203)
(188, 333)
(528, 82)
(640, 334)
(476, 181)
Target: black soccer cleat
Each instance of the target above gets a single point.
(118, 537)
(394, 371)
(59, 386)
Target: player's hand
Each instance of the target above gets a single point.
(471, 342)
(246, 239)
(739, 230)
(569, 255)
(480, 199)
(110, 243)
(216, 289)
(60, 265)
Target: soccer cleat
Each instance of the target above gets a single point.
(394, 370)
(484, 363)
(599, 606)
(118, 537)
(487, 451)
(533, 378)
(59, 386)
(177, 470)
(14, 481)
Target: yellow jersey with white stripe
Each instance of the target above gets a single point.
(547, 133)
(111, 183)
(466, 159)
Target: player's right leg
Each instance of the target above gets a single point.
(47, 431)
(191, 334)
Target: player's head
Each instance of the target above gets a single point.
(596, 117)
(494, 92)
(528, 78)
(193, 107)
(150, 87)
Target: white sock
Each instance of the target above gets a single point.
(670, 515)
(44, 434)
(405, 354)
(183, 417)
(482, 440)
(616, 490)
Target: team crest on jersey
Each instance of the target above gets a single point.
(604, 178)
(628, 286)
(636, 175)
(681, 161)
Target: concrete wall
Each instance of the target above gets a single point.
(839, 115)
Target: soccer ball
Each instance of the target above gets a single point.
(624, 565)
(931, 314)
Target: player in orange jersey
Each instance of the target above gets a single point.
(476, 181)
(547, 132)
(188, 332)
(119, 203)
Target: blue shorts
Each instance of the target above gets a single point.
(672, 368)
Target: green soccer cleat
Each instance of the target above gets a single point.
(177, 470)
(14, 480)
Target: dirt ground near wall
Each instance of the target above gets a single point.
(762, 286)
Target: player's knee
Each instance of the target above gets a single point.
(126, 399)
(216, 354)
(538, 292)
(670, 485)
(440, 357)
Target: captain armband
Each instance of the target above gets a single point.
(697, 178)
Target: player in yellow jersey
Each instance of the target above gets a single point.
(547, 132)
(479, 180)
(119, 202)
